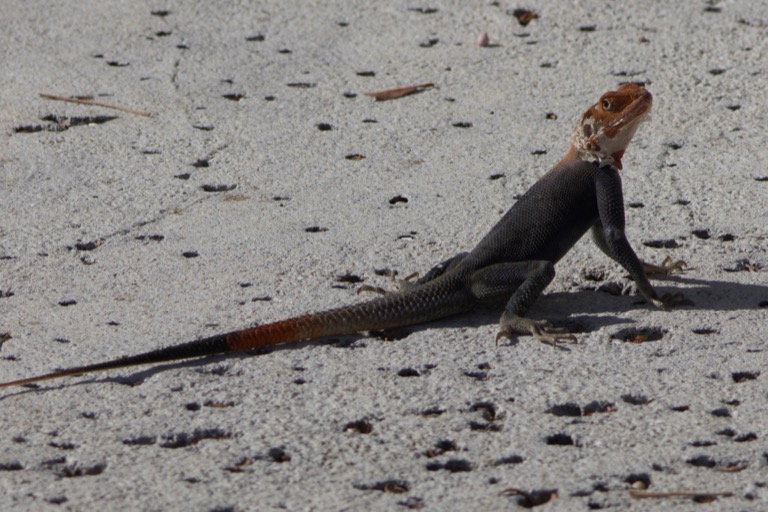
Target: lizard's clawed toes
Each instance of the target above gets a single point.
(545, 332)
(402, 285)
(671, 300)
(542, 330)
(668, 266)
(408, 282)
(375, 289)
(674, 266)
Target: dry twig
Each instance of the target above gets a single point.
(698, 496)
(84, 101)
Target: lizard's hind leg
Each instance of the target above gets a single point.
(414, 280)
(520, 283)
(439, 269)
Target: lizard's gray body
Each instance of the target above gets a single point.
(513, 263)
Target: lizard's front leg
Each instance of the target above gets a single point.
(608, 233)
(613, 242)
(520, 284)
(668, 266)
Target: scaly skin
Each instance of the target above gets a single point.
(512, 264)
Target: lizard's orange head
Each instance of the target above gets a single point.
(606, 127)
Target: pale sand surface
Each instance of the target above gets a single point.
(687, 412)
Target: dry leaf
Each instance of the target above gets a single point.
(525, 16)
(393, 94)
(395, 488)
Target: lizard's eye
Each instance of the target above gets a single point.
(607, 105)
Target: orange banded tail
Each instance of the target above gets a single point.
(425, 304)
(284, 331)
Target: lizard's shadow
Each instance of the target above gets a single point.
(580, 311)
(585, 310)
(706, 294)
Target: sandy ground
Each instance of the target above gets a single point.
(239, 201)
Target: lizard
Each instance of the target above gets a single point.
(512, 264)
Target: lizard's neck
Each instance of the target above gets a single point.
(575, 154)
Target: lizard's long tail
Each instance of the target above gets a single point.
(421, 305)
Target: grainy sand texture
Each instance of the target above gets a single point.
(266, 184)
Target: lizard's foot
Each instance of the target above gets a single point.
(668, 266)
(374, 289)
(542, 330)
(402, 284)
(671, 300)
(408, 282)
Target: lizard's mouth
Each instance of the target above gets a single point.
(637, 113)
(615, 136)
